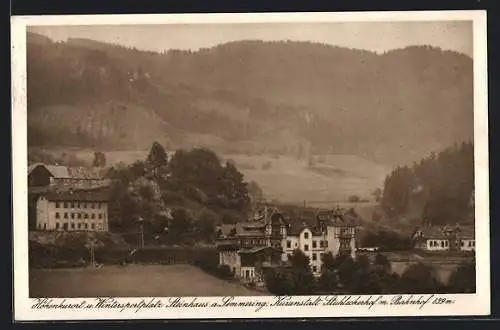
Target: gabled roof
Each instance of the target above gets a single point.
(297, 229)
(440, 232)
(67, 172)
(257, 249)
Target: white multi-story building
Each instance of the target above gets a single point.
(68, 210)
(247, 248)
(67, 198)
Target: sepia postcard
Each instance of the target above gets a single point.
(271, 165)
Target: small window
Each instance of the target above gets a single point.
(84, 205)
(326, 244)
(86, 226)
(314, 244)
(57, 225)
(289, 256)
(462, 243)
(442, 244)
(306, 247)
(92, 205)
(92, 225)
(289, 244)
(306, 235)
(57, 205)
(44, 226)
(100, 217)
(65, 215)
(72, 225)
(79, 215)
(315, 269)
(322, 256)
(57, 215)
(321, 244)
(65, 205)
(72, 205)
(85, 216)
(72, 215)
(79, 226)
(92, 216)
(473, 243)
(314, 257)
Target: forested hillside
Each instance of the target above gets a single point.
(250, 97)
(437, 190)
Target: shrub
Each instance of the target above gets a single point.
(224, 272)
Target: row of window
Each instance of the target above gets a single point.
(249, 273)
(343, 232)
(314, 256)
(79, 205)
(470, 243)
(74, 181)
(67, 226)
(73, 225)
(445, 244)
(79, 215)
(252, 242)
(322, 244)
(437, 243)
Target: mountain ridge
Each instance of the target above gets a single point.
(319, 98)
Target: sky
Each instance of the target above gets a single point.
(374, 36)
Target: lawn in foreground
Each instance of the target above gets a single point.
(131, 281)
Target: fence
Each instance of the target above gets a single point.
(47, 256)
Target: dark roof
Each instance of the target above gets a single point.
(440, 232)
(67, 172)
(241, 229)
(297, 229)
(258, 249)
(295, 224)
(89, 195)
(309, 220)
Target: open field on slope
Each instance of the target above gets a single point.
(333, 178)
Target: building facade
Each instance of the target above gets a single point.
(445, 238)
(72, 211)
(270, 240)
(67, 198)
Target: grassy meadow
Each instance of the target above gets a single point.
(131, 281)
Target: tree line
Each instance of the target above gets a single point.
(439, 187)
(342, 274)
(180, 198)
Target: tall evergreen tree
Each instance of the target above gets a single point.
(157, 158)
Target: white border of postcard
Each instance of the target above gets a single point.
(463, 304)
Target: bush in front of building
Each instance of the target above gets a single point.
(207, 260)
(297, 279)
(420, 278)
(224, 272)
